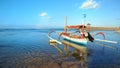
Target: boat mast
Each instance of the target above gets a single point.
(84, 19)
(83, 26)
(66, 29)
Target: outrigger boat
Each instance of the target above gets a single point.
(80, 37)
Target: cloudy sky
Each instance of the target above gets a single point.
(51, 13)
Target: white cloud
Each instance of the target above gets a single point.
(89, 4)
(43, 14)
(45, 17)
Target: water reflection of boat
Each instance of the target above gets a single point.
(79, 53)
(81, 48)
(55, 45)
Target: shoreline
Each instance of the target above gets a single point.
(102, 28)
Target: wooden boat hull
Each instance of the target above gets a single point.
(82, 42)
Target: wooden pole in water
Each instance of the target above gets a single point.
(66, 24)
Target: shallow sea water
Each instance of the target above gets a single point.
(30, 49)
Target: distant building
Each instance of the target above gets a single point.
(88, 26)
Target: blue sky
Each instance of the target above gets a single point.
(51, 13)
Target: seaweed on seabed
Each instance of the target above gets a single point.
(77, 56)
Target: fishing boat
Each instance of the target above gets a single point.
(80, 35)
(77, 37)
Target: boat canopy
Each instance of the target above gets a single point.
(77, 26)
